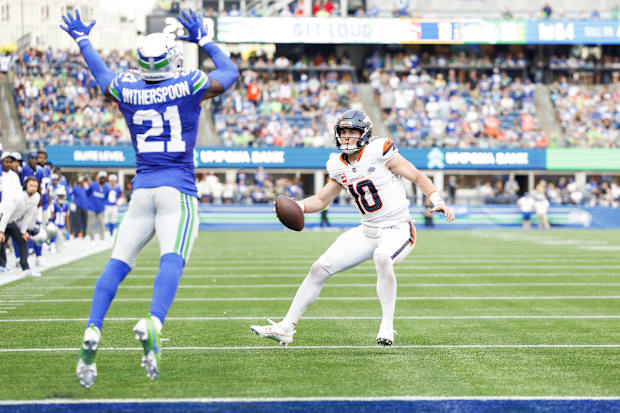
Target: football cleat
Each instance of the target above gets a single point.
(148, 334)
(385, 337)
(86, 370)
(31, 273)
(275, 331)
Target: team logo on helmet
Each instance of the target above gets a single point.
(159, 58)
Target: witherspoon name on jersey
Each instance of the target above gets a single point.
(156, 95)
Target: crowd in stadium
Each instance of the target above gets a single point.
(589, 116)
(598, 191)
(59, 103)
(293, 102)
(488, 112)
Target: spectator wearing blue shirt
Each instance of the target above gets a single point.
(82, 205)
(97, 197)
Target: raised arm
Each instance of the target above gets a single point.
(400, 166)
(322, 199)
(79, 31)
(225, 73)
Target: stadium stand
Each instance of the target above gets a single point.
(58, 101)
(589, 115)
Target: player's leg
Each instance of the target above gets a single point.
(91, 223)
(135, 231)
(100, 224)
(176, 226)
(349, 249)
(395, 244)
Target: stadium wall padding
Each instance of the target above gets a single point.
(261, 217)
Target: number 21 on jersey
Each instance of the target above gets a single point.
(359, 194)
(170, 115)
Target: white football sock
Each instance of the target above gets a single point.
(386, 287)
(308, 291)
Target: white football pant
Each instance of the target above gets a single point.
(362, 243)
(164, 211)
(110, 214)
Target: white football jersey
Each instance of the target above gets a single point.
(378, 193)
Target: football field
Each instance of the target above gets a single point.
(479, 314)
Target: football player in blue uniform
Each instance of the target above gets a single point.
(161, 105)
(112, 201)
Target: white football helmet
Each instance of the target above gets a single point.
(51, 230)
(39, 237)
(61, 194)
(159, 58)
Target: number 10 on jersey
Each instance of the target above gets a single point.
(359, 194)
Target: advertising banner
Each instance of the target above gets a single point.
(261, 217)
(573, 32)
(594, 159)
(302, 158)
(339, 30)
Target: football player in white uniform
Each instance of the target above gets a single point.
(371, 171)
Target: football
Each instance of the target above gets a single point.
(289, 213)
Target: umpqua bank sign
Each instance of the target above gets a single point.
(437, 158)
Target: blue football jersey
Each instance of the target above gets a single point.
(60, 214)
(163, 121)
(113, 195)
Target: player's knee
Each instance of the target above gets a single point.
(171, 264)
(318, 272)
(383, 262)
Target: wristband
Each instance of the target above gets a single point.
(79, 39)
(203, 40)
(302, 205)
(435, 198)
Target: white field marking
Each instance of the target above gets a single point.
(421, 285)
(345, 274)
(3, 312)
(420, 298)
(411, 266)
(314, 318)
(327, 347)
(602, 248)
(21, 295)
(305, 399)
(310, 260)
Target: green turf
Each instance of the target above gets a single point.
(451, 274)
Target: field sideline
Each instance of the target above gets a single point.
(480, 314)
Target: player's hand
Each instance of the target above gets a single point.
(26, 236)
(75, 27)
(446, 210)
(2, 237)
(194, 25)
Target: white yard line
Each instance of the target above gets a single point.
(315, 318)
(400, 285)
(303, 399)
(421, 298)
(301, 275)
(327, 347)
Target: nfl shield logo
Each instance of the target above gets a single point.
(343, 177)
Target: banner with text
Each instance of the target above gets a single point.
(338, 30)
(302, 158)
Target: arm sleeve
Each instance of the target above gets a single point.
(225, 72)
(95, 63)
